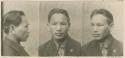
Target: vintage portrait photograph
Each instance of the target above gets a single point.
(103, 29)
(60, 28)
(20, 29)
(93, 29)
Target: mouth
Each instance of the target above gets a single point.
(58, 34)
(95, 35)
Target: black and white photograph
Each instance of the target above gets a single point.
(60, 33)
(103, 28)
(62, 28)
(20, 28)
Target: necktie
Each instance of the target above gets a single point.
(61, 50)
(104, 50)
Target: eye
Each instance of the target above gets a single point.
(63, 23)
(26, 26)
(92, 24)
(54, 23)
(100, 24)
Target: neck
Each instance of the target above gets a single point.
(13, 38)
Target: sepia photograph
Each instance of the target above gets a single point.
(62, 28)
(20, 28)
(103, 29)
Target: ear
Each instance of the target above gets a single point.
(48, 26)
(69, 26)
(111, 25)
(11, 28)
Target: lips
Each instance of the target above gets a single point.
(95, 35)
(58, 34)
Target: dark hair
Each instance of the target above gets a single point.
(12, 18)
(103, 12)
(60, 11)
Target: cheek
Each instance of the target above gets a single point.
(23, 31)
(104, 30)
(18, 30)
(52, 29)
(67, 28)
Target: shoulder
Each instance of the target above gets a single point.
(45, 48)
(116, 43)
(90, 44)
(89, 48)
(73, 47)
(8, 44)
(73, 43)
(9, 48)
(117, 47)
(45, 45)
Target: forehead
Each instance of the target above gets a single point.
(58, 17)
(99, 18)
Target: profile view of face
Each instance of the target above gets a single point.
(58, 25)
(21, 32)
(100, 26)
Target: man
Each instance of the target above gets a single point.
(16, 31)
(104, 44)
(61, 43)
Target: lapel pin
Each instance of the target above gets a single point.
(114, 50)
(71, 50)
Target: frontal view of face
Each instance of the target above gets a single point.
(58, 26)
(21, 32)
(100, 27)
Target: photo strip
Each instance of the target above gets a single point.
(62, 28)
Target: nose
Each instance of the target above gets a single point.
(58, 28)
(28, 30)
(95, 29)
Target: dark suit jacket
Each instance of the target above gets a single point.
(49, 49)
(11, 48)
(93, 48)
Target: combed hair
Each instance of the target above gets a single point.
(13, 17)
(103, 12)
(58, 11)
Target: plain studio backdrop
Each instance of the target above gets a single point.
(79, 12)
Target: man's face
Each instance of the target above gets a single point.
(58, 26)
(21, 32)
(100, 27)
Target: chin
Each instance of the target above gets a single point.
(97, 38)
(58, 38)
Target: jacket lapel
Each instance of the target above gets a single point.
(52, 49)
